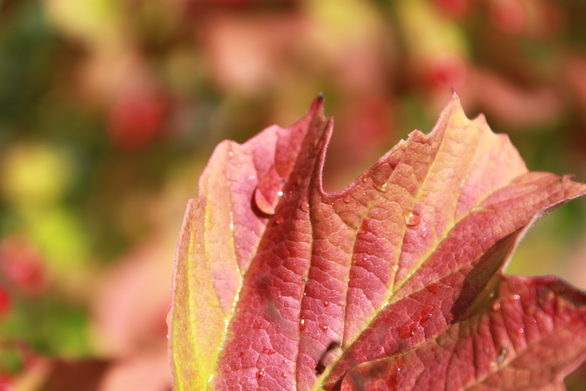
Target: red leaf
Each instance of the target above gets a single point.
(394, 283)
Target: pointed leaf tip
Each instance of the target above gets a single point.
(318, 104)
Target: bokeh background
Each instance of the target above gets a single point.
(109, 110)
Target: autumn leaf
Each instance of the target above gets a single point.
(395, 283)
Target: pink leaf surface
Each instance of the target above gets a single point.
(395, 283)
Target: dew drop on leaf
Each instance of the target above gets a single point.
(324, 328)
(302, 324)
(265, 205)
(260, 374)
(304, 206)
(412, 219)
(382, 188)
(380, 176)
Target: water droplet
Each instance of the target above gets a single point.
(491, 295)
(515, 297)
(260, 374)
(324, 328)
(265, 203)
(304, 206)
(496, 306)
(230, 154)
(364, 179)
(280, 193)
(279, 220)
(347, 199)
(413, 219)
(302, 324)
(268, 351)
(520, 331)
(382, 188)
(502, 355)
(326, 303)
(304, 294)
(380, 176)
(283, 375)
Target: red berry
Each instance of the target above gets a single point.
(445, 73)
(22, 265)
(5, 304)
(508, 16)
(136, 119)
